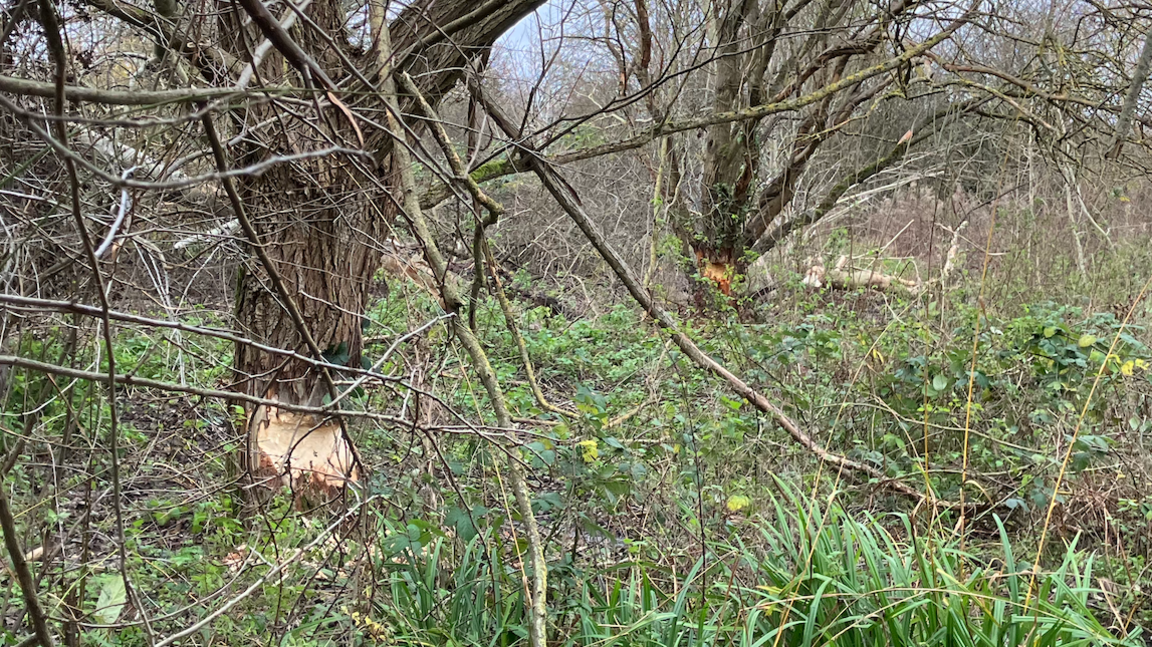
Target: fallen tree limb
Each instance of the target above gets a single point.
(851, 279)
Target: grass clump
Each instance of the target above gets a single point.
(808, 576)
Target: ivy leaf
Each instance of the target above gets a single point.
(939, 382)
(338, 354)
(1016, 503)
(1086, 340)
(547, 501)
(462, 521)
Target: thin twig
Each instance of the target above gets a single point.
(564, 195)
(55, 42)
(537, 593)
(482, 249)
(259, 583)
(23, 573)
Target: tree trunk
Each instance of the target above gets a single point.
(318, 220)
(715, 238)
(308, 224)
(737, 204)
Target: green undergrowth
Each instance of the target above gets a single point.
(807, 575)
(674, 514)
(908, 387)
(879, 379)
(817, 577)
(786, 571)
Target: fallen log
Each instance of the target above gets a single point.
(840, 278)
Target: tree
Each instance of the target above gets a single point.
(315, 218)
(766, 84)
(745, 105)
(767, 53)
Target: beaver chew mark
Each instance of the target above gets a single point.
(302, 451)
(720, 274)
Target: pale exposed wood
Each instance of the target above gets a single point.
(818, 276)
(303, 451)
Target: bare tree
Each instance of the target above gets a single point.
(746, 105)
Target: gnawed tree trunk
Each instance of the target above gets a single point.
(308, 223)
(320, 219)
(308, 216)
(730, 158)
(737, 204)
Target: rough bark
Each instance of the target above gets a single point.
(305, 218)
(319, 219)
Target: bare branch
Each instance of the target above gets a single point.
(564, 195)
